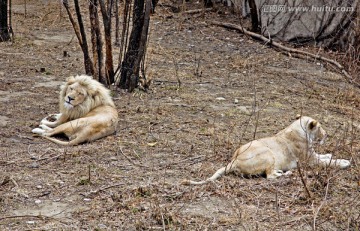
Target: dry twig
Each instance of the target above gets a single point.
(130, 160)
(303, 180)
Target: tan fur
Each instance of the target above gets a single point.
(274, 155)
(87, 112)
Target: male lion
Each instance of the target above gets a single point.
(87, 113)
(274, 155)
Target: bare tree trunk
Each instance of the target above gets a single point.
(117, 23)
(106, 13)
(80, 34)
(208, 3)
(97, 43)
(130, 66)
(89, 68)
(4, 26)
(125, 29)
(254, 16)
(143, 39)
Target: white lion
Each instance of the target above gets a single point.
(87, 113)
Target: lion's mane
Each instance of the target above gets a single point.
(97, 95)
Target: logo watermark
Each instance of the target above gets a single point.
(296, 9)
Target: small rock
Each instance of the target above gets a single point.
(87, 199)
(38, 186)
(113, 158)
(236, 101)
(102, 226)
(220, 98)
(34, 165)
(244, 110)
(30, 222)
(37, 201)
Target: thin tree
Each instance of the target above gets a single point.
(106, 14)
(254, 16)
(117, 23)
(97, 43)
(129, 76)
(4, 21)
(80, 34)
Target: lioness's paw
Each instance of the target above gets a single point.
(38, 131)
(275, 174)
(343, 163)
(325, 156)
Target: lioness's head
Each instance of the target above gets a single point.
(313, 129)
(81, 94)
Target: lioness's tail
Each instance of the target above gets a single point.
(57, 141)
(216, 175)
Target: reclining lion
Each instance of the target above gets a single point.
(87, 113)
(275, 155)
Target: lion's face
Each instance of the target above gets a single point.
(75, 95)
(316, 132)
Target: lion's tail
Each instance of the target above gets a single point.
(216, 175)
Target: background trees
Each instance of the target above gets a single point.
(101, 65)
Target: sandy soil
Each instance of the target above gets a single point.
(232, 90)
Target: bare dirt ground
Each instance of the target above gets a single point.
(131, 180)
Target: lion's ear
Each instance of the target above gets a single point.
(298, 116)
(70, 80)
(312, 124)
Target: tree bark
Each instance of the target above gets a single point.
(125, 29)
(117, 23)
(4, 26)
(130, 66)
(254, 16)
(106, 14)
(143, 38)
(89, 69)
(97, 43)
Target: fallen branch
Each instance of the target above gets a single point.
(40, 217)
(105, 188)
(197, 11)
(269, 41)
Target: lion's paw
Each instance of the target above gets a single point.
(38, 131)
(45, 128)
(51, 119)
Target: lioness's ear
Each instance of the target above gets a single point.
(312, 124)
(298, 116)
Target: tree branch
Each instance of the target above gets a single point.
(269, 41)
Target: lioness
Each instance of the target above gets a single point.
(87, 113)
(275, 155)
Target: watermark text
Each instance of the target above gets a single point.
(299, 9)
